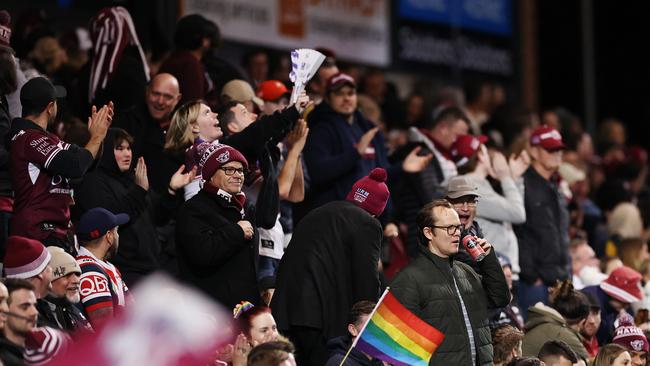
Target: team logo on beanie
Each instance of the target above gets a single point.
(637, 345)
(361, 195)
(223, 157)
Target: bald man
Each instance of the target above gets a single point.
(148, 123)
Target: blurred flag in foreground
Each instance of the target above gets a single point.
(167, 325)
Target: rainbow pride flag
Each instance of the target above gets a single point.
(395, 335)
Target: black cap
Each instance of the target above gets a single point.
(98, 221)
(38, 92)
(594, 305)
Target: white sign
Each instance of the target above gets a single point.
(356, 30)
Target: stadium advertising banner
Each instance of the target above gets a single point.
(472, 35)
(357, 30)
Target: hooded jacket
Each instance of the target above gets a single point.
(139, 250)
(546, 324)
(339, 346)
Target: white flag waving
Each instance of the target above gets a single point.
(304, 64)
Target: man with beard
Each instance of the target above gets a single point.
(41, 165)
(21, 319)
(65, 292)
(103, 292)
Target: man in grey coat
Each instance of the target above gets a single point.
(450, 295)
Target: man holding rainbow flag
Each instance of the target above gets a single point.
(436, 303)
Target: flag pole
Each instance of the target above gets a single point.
(354, 343)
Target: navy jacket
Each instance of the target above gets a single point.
(331, 156)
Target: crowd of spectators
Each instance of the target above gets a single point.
(113, 167)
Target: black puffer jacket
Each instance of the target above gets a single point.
(140, 252)
(426, 288)
(213, 253)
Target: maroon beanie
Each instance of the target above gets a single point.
(629, 335)
(370, 192)
(216, 155)
(24, 257)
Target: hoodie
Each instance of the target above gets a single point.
(139, 250)
(338, 347)
(546, 324)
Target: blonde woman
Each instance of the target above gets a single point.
(612, 355)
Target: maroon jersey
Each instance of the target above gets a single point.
(39, 163)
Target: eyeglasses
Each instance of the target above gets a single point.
(230, 170)
(460, 204)
(451, 229)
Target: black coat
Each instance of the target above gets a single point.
(543, 238)
(139, 252)
(330, 264)
(213, 254)
(148, 142)
(415, 189)
(426, 288)
(11, 354)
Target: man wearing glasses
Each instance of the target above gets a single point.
(463, 196)
(216, 233)
(448, 294)
(544, 237)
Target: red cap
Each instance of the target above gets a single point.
(271, 90)
(623, 284)
(338, 80)
(465, 147)
(547, 137)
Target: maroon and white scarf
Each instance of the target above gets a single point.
(111, 31)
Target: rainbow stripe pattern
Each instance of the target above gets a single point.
(395, 335)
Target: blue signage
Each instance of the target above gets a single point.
(489, 16)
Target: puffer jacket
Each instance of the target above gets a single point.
(426, 288)
(546, 324)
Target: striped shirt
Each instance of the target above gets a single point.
(101, 284)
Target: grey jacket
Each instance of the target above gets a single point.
(496, 214)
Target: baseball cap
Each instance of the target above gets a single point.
(547, 137)
(461, 186)
(62, 263)
(38, 92)
(98, 221)
(271, 90)
(338, 80)
(465, 147)
(240, 91)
